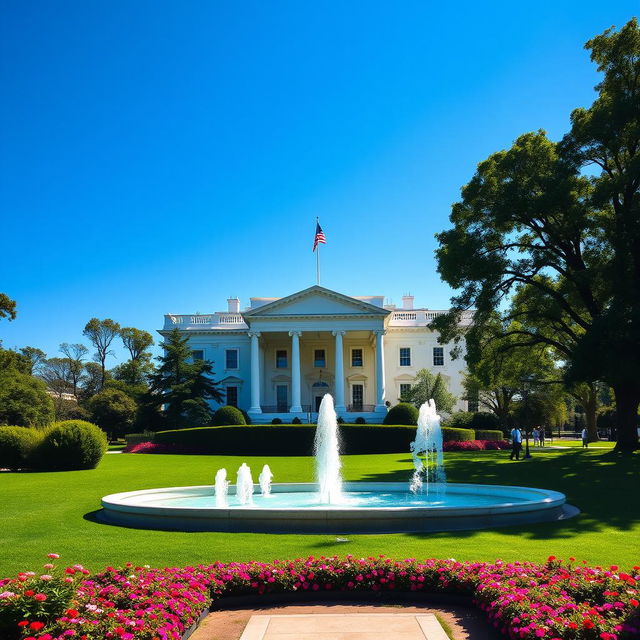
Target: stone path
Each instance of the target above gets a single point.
(466, 623)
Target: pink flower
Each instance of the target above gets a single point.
(55, 556)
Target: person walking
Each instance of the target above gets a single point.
(516, 443)
(542, 436)
(536, 437)
(585, 439)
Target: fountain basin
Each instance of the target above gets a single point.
(368, 507)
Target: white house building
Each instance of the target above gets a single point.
(278, 357)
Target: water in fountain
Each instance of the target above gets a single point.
(221, 488)
(428, 442)
(264, 479)
(244, 485)
(327, 453)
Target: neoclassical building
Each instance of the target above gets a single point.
(279, 356)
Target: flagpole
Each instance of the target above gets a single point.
(318, 258)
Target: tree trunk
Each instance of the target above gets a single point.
(590, 409)
(627, 400)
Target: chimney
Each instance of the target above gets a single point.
(407, 302)
(234, 305)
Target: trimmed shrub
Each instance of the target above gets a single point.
(296, 420)
(246, 416)
(227, 415)
(460, 420)
(484, 420)
(72, 444)
(17, 445)
(276, 421)
(135, 438)
(402, 413)
(340, 420)
(287, 439)
(489, 434)
(451, 434)
(360, 420)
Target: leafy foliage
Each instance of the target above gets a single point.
(113, 411)
(402, 413)
(428, 386)
(7, 307)
(17, 445)
(227, 415)
(71, 444)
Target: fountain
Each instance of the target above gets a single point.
(327, 454)
(333, 506)
(429, 443)
(244, 485)
(221, 488)
(264, 479)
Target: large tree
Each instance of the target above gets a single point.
(183, 387)
(36, 356)
(75, 354)
(101, 333)
(137, 342)
(531, 217)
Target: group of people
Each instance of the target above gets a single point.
(516, 440)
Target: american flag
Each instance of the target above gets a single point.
(319, 239)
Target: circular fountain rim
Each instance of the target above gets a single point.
(541, 499)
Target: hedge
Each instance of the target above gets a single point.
(136, 438)
(71, 444)
(17, 445)
(288, 440)
(489, 434)
(227, 415)
(402, 413)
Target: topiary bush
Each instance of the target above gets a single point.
(246, 416)
(227, 415)
(340, 420)
(71, 444)
(17, 445)
(402, 413)
(276, 421)
(360, 420)
(296, 420)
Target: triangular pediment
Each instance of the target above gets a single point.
(316, 301)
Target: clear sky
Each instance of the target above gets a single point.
(160, 157)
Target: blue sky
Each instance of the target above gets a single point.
(159, 156)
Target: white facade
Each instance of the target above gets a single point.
(278, 357)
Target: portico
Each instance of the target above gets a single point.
(299, 347)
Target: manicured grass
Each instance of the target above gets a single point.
(51, 512)
(602, 444)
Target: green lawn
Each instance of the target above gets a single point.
(51, 512)
(602, 444)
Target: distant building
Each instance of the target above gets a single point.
(278, 357)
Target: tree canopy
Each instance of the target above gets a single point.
(533, 223)
(430, 387)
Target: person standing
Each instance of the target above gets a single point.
(585, 439)
(542, 436)
(536, 437)
(516, 443)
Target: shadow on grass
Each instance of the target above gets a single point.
(602, 484)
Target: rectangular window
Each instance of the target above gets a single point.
(404, 389)
(357, 396)
(405, 357)
(356, 357)
(232, 396)
(281, 359)
(438, 356)
(319, 359)
(282, 398)
(231, 358)
(197, 354)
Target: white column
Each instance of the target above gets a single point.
(296, 407)
(339, 371)
(255, 373)
(380, 406)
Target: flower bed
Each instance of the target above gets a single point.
(449, 445)
(523, 600)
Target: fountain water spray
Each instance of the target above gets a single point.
(264, 479)
(221, 488)
(429, 442)
(244, 485)
(327, 453)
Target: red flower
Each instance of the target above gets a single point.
(40, 597)
(588, 624)
(633, 602)
(23, 623)
(29, 592)
(72, 613)
(36, 626)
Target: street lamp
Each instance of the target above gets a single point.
(526, 381)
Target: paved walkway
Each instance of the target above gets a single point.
(344, 622)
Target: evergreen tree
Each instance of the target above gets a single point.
(429, 387)
(183, 387)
